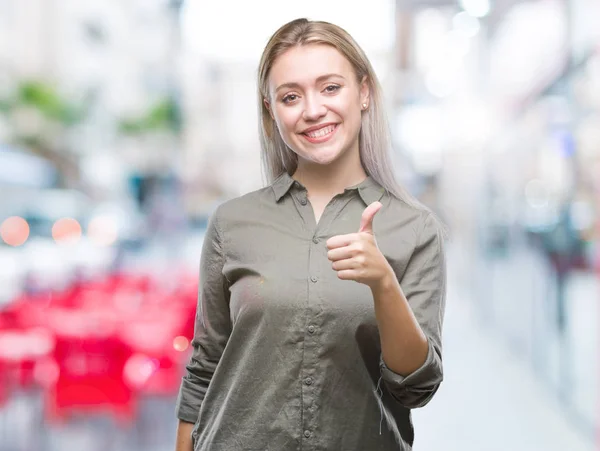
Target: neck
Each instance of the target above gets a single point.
(329, 180)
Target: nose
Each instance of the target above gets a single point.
(314, 109)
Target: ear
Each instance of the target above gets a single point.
(364, 90)
(268, 107)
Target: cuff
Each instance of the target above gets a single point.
(417, 388)
(188, 401)
(425, 375)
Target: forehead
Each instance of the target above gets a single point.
(303, 64)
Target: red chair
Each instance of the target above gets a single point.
(156, 367)
(90, 371)
(23, 342)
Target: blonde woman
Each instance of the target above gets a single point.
(321, 295)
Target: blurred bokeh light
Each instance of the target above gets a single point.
(14, 231)
(66, 230)
(102, 230)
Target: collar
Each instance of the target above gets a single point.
(369, 190)
(282, 184)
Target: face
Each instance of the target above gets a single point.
(316, 102)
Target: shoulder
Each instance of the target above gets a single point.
(411, 220)
(243, 207)
(409, 233)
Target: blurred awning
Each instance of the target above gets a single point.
(18, 168)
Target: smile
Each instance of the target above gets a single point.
(320, 135)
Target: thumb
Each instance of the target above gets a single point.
(366, 221)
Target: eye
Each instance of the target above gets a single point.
(332, 88)
(289, 98)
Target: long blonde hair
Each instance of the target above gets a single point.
(374, 138)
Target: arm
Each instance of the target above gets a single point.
(184, 436)
(211, 333)
(410, 314)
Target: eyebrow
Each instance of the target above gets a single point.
(319, 79)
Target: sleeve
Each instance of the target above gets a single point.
(212, 325)
(424, 285)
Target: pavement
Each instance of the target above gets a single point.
(492, 399)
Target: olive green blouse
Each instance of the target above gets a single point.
(287, 356)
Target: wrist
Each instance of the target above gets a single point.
(385, 283)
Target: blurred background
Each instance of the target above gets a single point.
(124, 123)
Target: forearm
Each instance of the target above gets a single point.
(183, 440)
(403, 344)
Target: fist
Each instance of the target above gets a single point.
(356, 256)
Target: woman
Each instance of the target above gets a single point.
(322, 295)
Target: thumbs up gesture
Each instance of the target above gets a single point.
(356, 256)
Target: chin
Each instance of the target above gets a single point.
(323, 155)
(324, 160)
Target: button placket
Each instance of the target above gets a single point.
(317, 267)
(308, 380)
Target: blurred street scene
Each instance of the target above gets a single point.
(124, 123)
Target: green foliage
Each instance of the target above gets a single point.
(45, 98)
(164, 115)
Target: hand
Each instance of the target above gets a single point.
(356, 256)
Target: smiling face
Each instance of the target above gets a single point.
(316, 102)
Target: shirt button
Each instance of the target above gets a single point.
(311, 329)
(307, 434)
(308, 381)
(315, 240)
(303, 201)
(314, 278)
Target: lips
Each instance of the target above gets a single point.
(319, 135)
(320, 132)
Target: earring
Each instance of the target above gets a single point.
(364, 105)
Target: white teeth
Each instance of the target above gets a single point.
(321, 132)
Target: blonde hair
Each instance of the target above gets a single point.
(374, 137)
